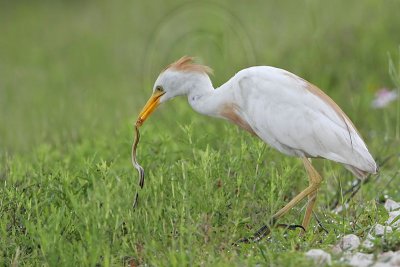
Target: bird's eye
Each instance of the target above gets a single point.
(159, 88)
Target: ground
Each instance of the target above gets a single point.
(74, 75)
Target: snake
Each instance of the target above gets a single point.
(136, 165)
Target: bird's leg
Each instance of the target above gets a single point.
(311, 192)
(310, 205)
(314, 183)
(314, 179)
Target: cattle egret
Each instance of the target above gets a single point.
(282, 109)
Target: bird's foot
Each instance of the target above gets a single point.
(291, 226)
(257, 236)
(266, 230)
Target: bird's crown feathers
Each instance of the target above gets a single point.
(187, 64)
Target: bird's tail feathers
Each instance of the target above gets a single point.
(361, 173)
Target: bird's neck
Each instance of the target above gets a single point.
(202, 99)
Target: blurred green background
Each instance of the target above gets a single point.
(74, 69)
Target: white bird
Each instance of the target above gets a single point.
(282, 109)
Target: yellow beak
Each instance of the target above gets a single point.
(150, 106)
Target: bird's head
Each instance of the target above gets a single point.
(176, 79)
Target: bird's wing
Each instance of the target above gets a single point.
(292, 116)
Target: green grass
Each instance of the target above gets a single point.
(73, 77)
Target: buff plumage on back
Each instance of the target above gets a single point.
(186, 64)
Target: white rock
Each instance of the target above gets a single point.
(385, 257)
(395, 260)
(382, 264)
(347, 243)
(391, 205)
(389, 258)
(361, 259)
(368, 242)
(380, 230)
(392, 216)
(319, 256)
(340, 208)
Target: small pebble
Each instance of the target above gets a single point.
(389, 258)
(340, 208)
(368, 242)
(382, 264)
(380, 230)
(391, 205)
(385, 257)
(395, 260)
(347, 243)
(392, 216)
(361, 259)
(319, 257)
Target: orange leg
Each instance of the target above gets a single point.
(316, 179)
(310, 192)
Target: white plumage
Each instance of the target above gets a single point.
(285, 111)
